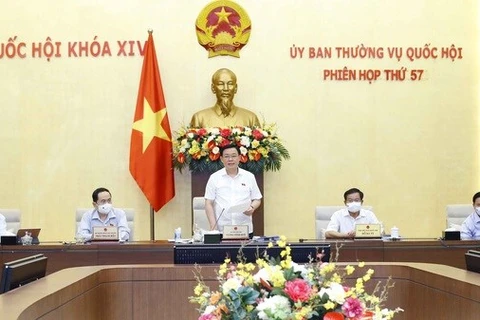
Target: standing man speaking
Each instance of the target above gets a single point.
(228, 187)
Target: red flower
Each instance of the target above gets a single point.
(257, 156)
(333, 316)
(225, 142)
(202, 131)
(298, 290)
(213, 156)
(211, 144)
(243, 158)
(225, 132)
(181, 158)
(257, 134)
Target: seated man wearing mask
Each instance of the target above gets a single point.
(103, 214)
(471, 226)
(342, 223)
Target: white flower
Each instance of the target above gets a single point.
(261, 274)
(265, 273)
(214, 131)
(277, 306)
(209, 309)
(210, 138)
(335, 293)
(232, 283)
(236, 131)
(300, 268)
(215, 150)
(243, 150)
(190, 135)
(265, 133)
(245, 141)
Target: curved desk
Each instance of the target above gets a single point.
(61, 256)
(425, 291)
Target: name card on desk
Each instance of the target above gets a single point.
(368, 231)
(108, 233)
(235, 232)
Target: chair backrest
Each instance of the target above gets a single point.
(199, 214)
(12, 218)
(456, 214)
(129, 212)
(322, 218)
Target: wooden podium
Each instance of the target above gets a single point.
(199, 181)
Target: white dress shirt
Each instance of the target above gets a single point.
(228, 191)
(341, 220)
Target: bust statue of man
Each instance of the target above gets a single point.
(224, 113)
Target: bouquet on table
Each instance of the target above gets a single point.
(280, 289)
(199, 148)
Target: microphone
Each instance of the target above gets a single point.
(216, 221)
(301, 240)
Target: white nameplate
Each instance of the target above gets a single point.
(235, 232)
(105, 233)
(368, 231)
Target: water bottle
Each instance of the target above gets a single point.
(394, 233)
(177, 235)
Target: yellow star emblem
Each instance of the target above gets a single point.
(151, 125)
(223, 15)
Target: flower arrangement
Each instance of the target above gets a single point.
(280, 289)
(199, 148)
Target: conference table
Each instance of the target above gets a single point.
(67, 255)
(161, 291)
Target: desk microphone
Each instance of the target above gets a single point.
(216, 221)
(301, 240)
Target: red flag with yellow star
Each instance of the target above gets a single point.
(151, 162)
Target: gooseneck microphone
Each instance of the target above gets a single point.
(216, 221)
(301, 240)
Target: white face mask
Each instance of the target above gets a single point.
(477, 210)
(105, 208)
(354, 206)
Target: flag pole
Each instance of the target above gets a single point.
(152, 224)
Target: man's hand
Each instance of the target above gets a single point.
(351, 234)
(249, 212)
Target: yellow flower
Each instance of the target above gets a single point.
(361, 264)
(255, 143)
(198, 289)
(287, 263)
(285, 252)
(336, 278)
(349, 269)
(303, 313)
(277, 278)
(281, 243)
(250, 267)
(270, 245)
(329, 305)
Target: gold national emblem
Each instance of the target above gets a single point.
(223, 28)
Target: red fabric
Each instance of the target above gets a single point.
(151, 165)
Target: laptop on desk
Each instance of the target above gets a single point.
(34, 232)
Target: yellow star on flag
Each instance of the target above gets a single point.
(151, 125)
(223, 15)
